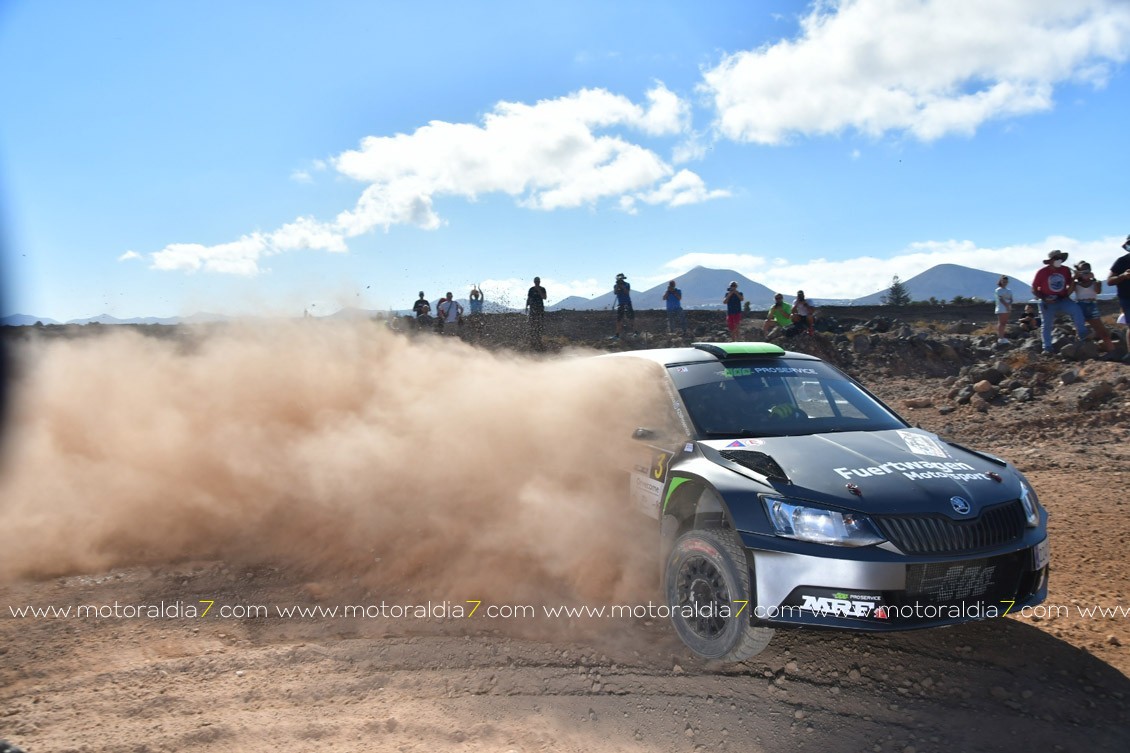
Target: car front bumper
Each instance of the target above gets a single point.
(872, 590)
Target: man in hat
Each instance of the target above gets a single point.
(623, 291)
(1052, 287)
(1120, 279)
(780, 314)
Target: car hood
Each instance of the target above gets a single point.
(896, 471)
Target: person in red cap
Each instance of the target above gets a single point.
(1052, 287)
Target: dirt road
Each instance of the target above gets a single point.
(1056, 681)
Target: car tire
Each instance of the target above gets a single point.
(707, 577)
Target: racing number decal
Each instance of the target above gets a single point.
(659, 465)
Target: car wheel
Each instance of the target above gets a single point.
(707, 586)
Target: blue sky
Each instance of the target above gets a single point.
(159, 159)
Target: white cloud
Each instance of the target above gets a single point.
(554, 154)
(683, 188)
(242, 257)
(307, 233)
(931, 68)
(301, 176)
(667, 114)
(129, 255)
(864, 275)
(692, 149)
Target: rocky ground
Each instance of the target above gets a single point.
(1052, 681)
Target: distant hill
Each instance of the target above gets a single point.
(702, 289)
(573, 302)
(202, 317)
(107, 319)
(23, 320)
(944, 282)
(353, 314)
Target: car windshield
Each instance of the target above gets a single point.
(759, 398)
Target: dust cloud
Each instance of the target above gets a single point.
(331, 448)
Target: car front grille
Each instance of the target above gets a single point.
(936, 534)
(988, 580)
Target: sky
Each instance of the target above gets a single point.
(163, 159)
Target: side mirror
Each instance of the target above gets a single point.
(643, 434)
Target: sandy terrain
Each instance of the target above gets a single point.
(1057, 682)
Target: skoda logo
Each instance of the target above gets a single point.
(960, 506)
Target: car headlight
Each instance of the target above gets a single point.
(820, 526)
(1031, 503)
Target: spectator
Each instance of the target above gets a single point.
(1030, 320)
(475, 322)
(439, 319)
(475, 301)
(676, 317)
(1120, 278)
(733, 300)
(623, 291)
(423, 310)
(535, 308)
(1052, 286)
(1087, 290)
(1004, 308)
(804, 312)
(450, 314)
(780, 314)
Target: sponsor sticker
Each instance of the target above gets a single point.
(832, 603)
(688, 447)
(645, 494)
(920, 444)
(746, 443)
(826, 607)
(917, 470)
(750, 371)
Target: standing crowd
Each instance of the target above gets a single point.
(1072, 292)
(798, 317)
(1057, 290)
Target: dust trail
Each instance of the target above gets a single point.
(334, 446)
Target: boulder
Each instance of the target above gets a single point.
(1095, 395)
(861, 344)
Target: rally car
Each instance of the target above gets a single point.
(788, 495)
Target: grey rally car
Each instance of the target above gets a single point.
(788, 495)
